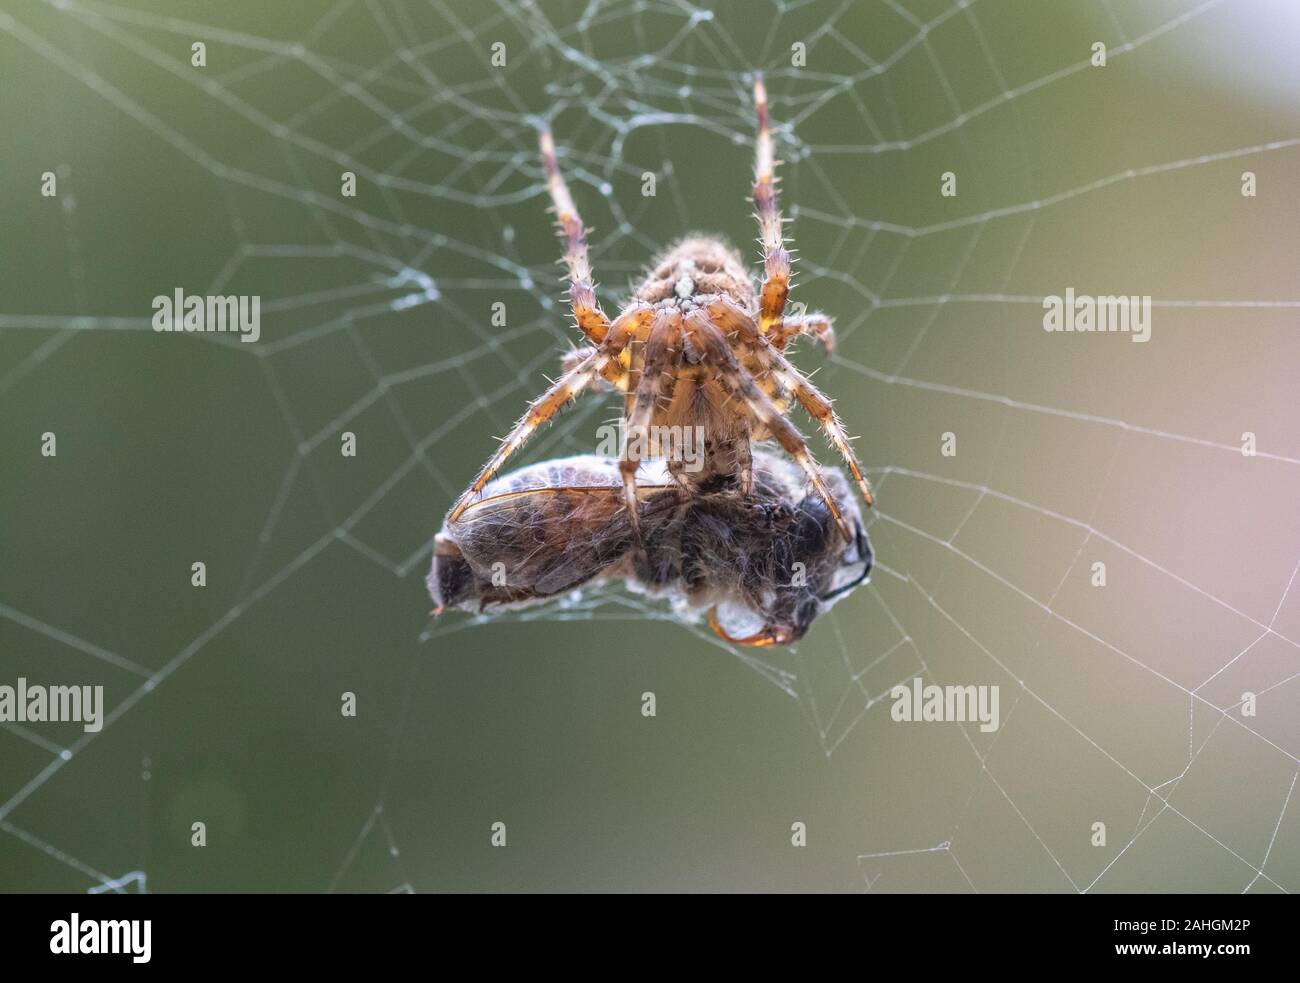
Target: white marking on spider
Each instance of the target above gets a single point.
(685, 288)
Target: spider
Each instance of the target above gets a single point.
(697, 346)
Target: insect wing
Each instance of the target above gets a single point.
(546, 541)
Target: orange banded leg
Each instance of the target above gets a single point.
(816, 326)
(819, 407)
(657, 376)
(568, 387)
(582, 293)
(776, 259)
(732, 318)
(737, 379)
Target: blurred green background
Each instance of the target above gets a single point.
(1119, 704)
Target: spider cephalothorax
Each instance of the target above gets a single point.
(697, 348)
(696, 269)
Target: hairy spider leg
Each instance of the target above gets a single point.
(731, 318)
(567, 387)
(582, 293)
(815, 325)
(776, 259)
(657, 377)
(737, 378)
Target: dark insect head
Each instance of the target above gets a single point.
(451, 580)
(855, 565)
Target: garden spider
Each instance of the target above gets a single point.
(696, 347)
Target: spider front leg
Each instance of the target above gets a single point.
(730, 318)
(657, 378)
(737, 379)
(568, 387)
(582, 293)
(776, 259)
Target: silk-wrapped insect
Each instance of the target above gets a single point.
(763, 565)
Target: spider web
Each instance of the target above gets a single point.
(1121, 704)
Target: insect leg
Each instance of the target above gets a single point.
(582, 293)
